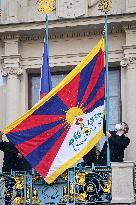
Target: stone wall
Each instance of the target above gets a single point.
(27, 10)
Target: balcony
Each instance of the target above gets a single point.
(78, 185)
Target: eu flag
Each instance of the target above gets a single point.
(46, 84)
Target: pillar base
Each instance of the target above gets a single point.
(122, 183)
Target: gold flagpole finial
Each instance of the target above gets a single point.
(46, 6)
(105, 5)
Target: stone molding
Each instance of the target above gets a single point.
(129, 63)
(11, 65)
(71, 8)
(12, 71)
(26, 27)
(10, 37)
(70, 35)
(92, 3)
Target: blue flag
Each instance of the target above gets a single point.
(46, 84)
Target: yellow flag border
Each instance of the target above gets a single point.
(65, 81)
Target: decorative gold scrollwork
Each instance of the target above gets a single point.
(80, 178)
(105, 5)
(18, 200)
(46, 6)
(19, 185)
(19, 182)
(81, 197)
(90, 188)
(107, 186)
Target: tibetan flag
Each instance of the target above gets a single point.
(65, 124)
(46, 84)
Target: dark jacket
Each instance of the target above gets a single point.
(90, 157)
(11, 160)
(117, 145)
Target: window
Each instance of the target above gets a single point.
(114, 89)
(114, 92)
(34, 86)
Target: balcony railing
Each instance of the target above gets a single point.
(75, 186)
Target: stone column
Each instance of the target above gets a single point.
(129, 103)
(12, 93)
(131, 107)
(122, 182)
(12, 71)
(128, 71)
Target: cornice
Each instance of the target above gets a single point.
(10, 36)
(128, 47)
(123, 19)
(11, 57)
(71, 34)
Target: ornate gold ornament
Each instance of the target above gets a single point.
(18, 200)
(105, 5)
(107, 186)
(80, 178)
(46, 6)
(20, 185)
(81, 197)
(19, 182)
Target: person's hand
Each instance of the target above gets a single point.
(19, 155)
(108, 134)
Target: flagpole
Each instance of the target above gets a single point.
(107, 86)
(105, 6)
(45, 7)
(47, 35)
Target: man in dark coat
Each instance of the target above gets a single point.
(90, 157)
(118, 142)
(13, 160)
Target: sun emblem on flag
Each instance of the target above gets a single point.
(72, 113)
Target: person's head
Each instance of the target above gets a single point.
(122, 127)
(125, 127)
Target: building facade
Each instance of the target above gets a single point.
(75, 26)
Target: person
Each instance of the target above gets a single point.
(90, 157)
(13, 160)
(118, 142)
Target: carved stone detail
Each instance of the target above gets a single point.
(71, 8)
(124, 62)
(12, 71)
(92, 3)
(129, 62)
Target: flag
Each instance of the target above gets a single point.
(46, 84)
(65, 124)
